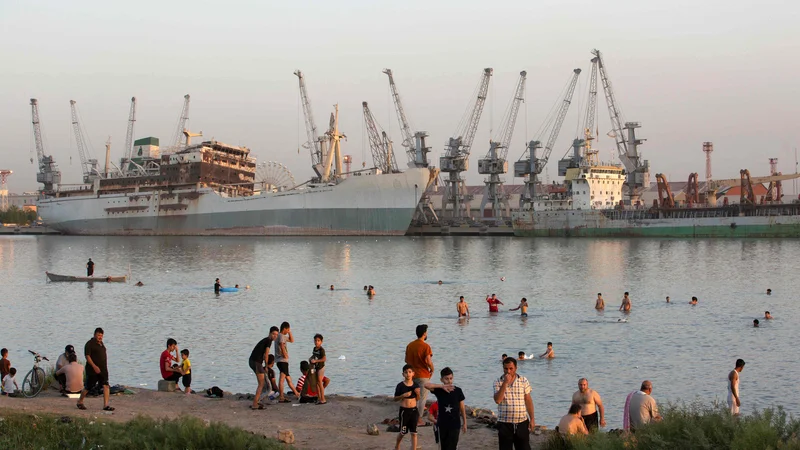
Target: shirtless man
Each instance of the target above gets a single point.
(626, 303)
(523, 306)
(462, 307)
(668, 299)
(549, 353)
(591, 404)
(572, 423)
(767, 315)
(600, 304)
(693, 301)
(733, 387)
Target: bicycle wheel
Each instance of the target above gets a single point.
(33, 382)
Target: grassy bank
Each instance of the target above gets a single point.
(698, 426)
(30, 431)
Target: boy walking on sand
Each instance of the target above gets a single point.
(452, 417)
(407, 393)
(186, 368)
(318, 359)
(282, 360)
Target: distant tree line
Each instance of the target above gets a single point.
(16, 215)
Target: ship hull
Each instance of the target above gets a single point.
(596, 224)
(367, 205)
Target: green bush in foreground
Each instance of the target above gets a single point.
(27, 431)
(697, 426)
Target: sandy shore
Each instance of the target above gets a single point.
(341, 424)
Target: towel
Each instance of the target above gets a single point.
(626, 413)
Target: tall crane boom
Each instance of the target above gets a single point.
(88, 164)
(456, 158)
(48, 174)
(638, 170)
(379, 143)
(532, 165)
(413, 142)
(494, 163)
(315, 143)
(184, 117)
(128, 150)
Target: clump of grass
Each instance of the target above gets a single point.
(30, 431)
(697, 426)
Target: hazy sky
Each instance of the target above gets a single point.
(690, 71)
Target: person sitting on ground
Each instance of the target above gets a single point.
(549, 353)
(755, 323)
(521, 356)
(63, 360)
(186, 370)
(572, 423)
(693, 301)
(10, 386)
(308, 391)
(767, 315)
(170, 370)
(5, 364)
(273, 383)
(72, 373)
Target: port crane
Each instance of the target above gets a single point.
(495, 163)
(379, 143)
(315, 143)
(48, 174)
(638, 170)
(333, 137)
(414, 143)
(128, 150)
(531, 165)
(177, 137)
(456, 158)
(88, 164)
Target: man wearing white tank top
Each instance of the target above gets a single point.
(733, 388)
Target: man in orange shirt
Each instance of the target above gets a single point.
(418, 356)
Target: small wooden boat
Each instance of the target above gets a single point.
(107, 279)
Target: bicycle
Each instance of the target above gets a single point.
(34, 381)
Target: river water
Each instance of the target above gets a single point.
(687, 351)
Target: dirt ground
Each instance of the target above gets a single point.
(340, 424)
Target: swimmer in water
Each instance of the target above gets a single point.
(331, 287)
(755, 323)
(462, 307)
(523, 307)
(521, 356)
(317, 286)
(767, 315)
(549, 353)
(694, 301)
(668, 299)
(503, 358)
(365, 288)
(626, 303)
(139, 283)
(236, 286)
(440, 281)
(769, 291)
(370, 291)
(600, 303)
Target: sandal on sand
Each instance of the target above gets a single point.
(259, 407)
(81, 406)
(108, 408)
(322, 403)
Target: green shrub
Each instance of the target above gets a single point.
(698, 426)
(26, 431)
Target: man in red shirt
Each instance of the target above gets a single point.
(493, 301)
(168, 371)
(418, 356)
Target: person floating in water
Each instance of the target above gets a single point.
(331, 287)
(549, 353)
(236, 286)
(769, 291)
(370, 291)
(139, 283)
(89, 268)
(521, 356)
(440, 281)
(600, 304)
(755, 323)
(668, 299)
(694, 301)
(626, 303)
(767, 315)
(523, 307)
(317, 286)
(217, 286)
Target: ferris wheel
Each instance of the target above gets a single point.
(272, 175)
